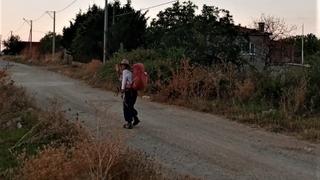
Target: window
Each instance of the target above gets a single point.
(248, 48)
(252, 49)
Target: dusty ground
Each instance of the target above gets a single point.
(189, 142)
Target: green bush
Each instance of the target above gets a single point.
(158, 64)
(313, 94)
(275, 88)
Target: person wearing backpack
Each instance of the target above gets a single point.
(129, 95)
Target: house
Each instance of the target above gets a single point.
(260, 50)
(26, 45)
(283, 52)
(30, 49)
(255, 46)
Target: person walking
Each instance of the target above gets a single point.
(129, 96)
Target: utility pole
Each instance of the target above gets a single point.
(30, 35)
(11, 33)
(105, 39)
(54, 36)
(0, 43)
(54, 32)
(113, 14)
(302, 46)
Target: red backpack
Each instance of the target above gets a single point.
(140, 77)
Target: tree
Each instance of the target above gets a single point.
(207, 38)
(278, 30)
(217, 40)
(311, 43)
(87, 42)
(13, 45)
(46, 43)
(129, 29)
(173, 27)
(84, 37)
(276, 26)
(70, 32)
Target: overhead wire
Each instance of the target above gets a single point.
(148, 8)
(74, 1)
(155, 6)
(37, 19)
(69, 5)
(20, 27)
(37, 31)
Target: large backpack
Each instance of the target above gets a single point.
(140, 77)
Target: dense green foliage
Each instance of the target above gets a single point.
(311, 44)
(158, 63)
(84, 36)
(12, 46)
(46, 43)
(207, 38)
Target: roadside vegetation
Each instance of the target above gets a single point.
(284, 99)
(44, 144)
(194, 60)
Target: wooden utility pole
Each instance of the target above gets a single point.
(31, 28)
(53, 16)
(30, 35)
(302, 46)
(113, 14)
(0, 43)
(54, 36)
(105, 38)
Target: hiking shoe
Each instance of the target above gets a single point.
(136, 121)
(128, 126)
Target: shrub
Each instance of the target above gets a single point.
(158, 67)
(313, 96)
(13, 100)
(99, 160)
(245, 90)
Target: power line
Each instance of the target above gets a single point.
(42, 15)
(158, 5)
(37, 31)
(148, 8)
(20, 27)
(69, 5)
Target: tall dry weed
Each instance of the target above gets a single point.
(197, 82)
(12, 99)
(245, 90)
(293, 99)
(108, 159)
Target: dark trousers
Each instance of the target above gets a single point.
(130, 98)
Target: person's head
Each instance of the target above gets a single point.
(125, 64)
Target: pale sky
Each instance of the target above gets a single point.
(295, 12)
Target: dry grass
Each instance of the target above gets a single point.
(76, 154)
(197, 82)
(13, 100)
(245, 90)
(294, 99)
(99, 160)
(66, 150)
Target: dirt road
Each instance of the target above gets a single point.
(190, 142)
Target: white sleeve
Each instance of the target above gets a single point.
(124, 80)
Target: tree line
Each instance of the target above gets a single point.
(206, 38)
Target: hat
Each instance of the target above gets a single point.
(125, 62)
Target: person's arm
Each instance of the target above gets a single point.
(124, 80)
